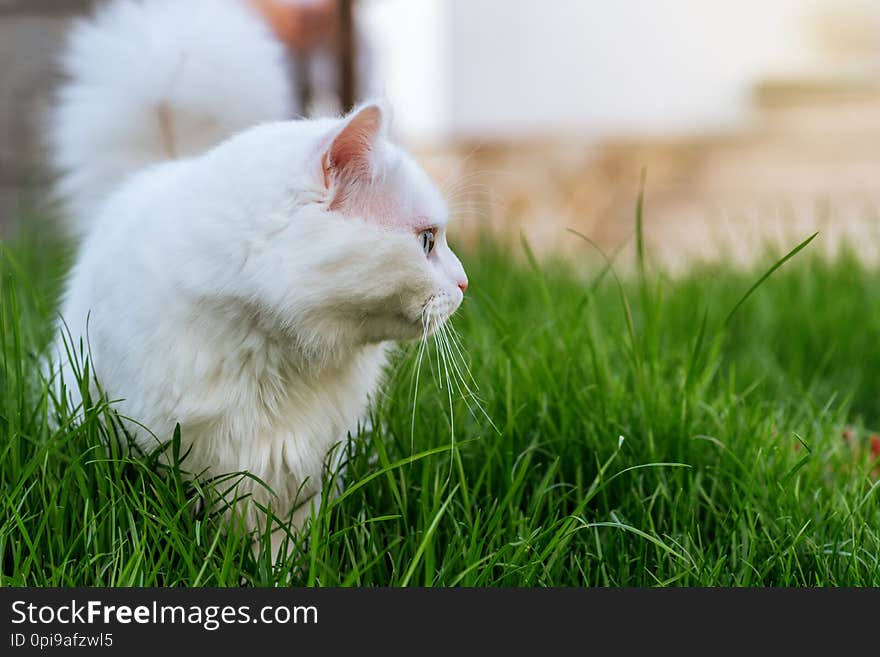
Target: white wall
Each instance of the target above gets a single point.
(409, 48)
(483, 68)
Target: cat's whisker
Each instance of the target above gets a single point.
(455, 339)
(478, 401)
(478, 208)
(470, 188)
(470, 194)
(474, 199)
(467, 202)
(463, 387)
(456, 175)
(423, 342)
(489, 172)
(446, 187)
(460, 166)
(475, 208)
(461, 191)
(438, 339)
(475, 214)
(443, 343)
(417, 369)
(469, 198)
(447, 341)
(428, 333)
(437, 352)
(475, 196)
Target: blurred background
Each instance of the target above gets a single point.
(756, 120)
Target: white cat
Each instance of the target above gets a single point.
(249, 291)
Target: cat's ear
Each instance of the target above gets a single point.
(348, 160)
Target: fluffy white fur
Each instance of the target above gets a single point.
(158, 79)
(249, 292)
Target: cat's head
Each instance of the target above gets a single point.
(353, 249)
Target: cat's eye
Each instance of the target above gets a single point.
(426, 237)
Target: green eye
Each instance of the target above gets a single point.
(426, 237)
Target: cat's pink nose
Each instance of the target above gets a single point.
(463, 286)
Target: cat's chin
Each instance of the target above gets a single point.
(437, 311)
(406, 326)
(419, 329)
(395, 328)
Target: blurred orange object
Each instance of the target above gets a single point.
(301, 24)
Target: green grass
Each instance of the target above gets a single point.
(732, 469)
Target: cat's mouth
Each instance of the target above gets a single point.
(437, 309)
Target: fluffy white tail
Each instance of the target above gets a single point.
(153, 80)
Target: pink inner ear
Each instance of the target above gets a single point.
(348, 159)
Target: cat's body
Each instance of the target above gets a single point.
(249, 292)
(176, 336)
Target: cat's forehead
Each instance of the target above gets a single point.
(406, 215)
(421, 211)
(408, 199)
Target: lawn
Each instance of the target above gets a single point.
(631, 434)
